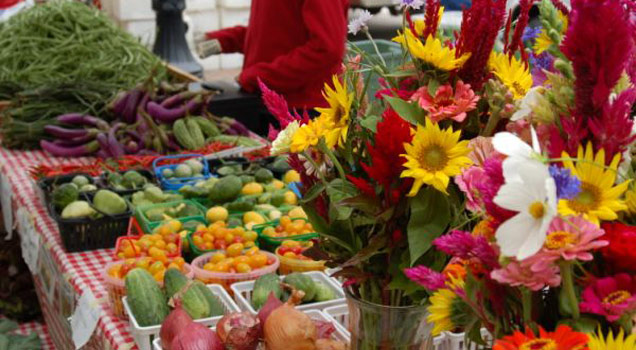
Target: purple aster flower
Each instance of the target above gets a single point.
(568, 186)
(539, 63)
(427, 278)
(464, 245)
(414, 4)
(531, 33)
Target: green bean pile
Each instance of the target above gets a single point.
(61, 57)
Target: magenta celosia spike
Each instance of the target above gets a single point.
(612, 131)
(560, 6)
(506, 35)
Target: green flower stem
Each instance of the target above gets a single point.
(491, 125)
(321, 176)
(526, 301)
(375, 46)
(334, 160)
(568, 287)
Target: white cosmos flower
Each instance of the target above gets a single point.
(283, 141)
(528, 103)
(517, 150)
(532, 193)
(360, 22)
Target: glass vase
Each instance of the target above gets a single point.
(380, 327)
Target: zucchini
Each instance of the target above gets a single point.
(302, 282)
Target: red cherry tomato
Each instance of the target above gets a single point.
(282, 250)
(297, 250)
(238, 239)
(220, 244)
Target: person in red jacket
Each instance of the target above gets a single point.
(293, 46)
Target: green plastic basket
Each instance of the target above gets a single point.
(147, 225)
(271, 243)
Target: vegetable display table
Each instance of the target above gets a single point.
(60, 278)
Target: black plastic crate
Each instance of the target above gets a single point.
(145, 173)
(80, 235)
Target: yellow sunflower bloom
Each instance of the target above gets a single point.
(630, 201)
(543, 41)
(431, 52)
(512, 72)
(434, 156)
(308, 135)
(336, 116)
(620, 342)
(440, 311)
(599, 198)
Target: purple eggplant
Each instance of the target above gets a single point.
(116, 148)
(77, 151)
(102, 154)
(64, 133)
(165, 115)
(82, 119)
(76, 141)
(129, 113)
(177, 99)
(133, 134)
(102, 139)
(237, 126)
(119, 103)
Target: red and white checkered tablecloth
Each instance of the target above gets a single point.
(83, 269)
(42, 332)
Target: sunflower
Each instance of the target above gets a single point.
(434, 156)
(431, 52)
(543, 41)
(599, 198)
(511, 72)
(598, 342)
(308, 135)
(563, 338)
(630, 201)
(336, 116)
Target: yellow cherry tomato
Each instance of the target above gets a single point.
(290, 244)
(241, 260)
(258, 260)
(217, 257)
(250, 236)
(235, 249)
(243, 268)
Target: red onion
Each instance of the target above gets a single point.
(270, 305)
(197, 337)
(239, 331)
(174, 324)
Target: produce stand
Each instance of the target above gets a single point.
(60, 277)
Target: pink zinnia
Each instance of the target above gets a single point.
(467, 183)
(611, 297)
(570, 238)
(518, 274)
(447, 104)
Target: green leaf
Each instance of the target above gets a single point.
(321, 226)
(339, 190)
(313, 193)
(363, 203)
(370, 122)
(375, 246)
(432, 86)
(399, 281)
(410, 112)
(430, 216)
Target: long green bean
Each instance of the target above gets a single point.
(61, 57)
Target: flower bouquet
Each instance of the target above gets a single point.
(467, 192)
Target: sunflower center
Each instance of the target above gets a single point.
(338, 114)
(539, 344)
(518, 90)
(617, 297)
(537, 210)
(559, 239)
(587, 200)
(433, 158)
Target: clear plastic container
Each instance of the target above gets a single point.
(289, 265)
(227, 279)
(117, 290)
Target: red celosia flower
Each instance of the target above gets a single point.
(431, 18)
(574, 134)
(447, 104)
(391, 135)
(479, 30)
(622, 245)
(564, 338)
(363, 185)
(278, 107)
(599, 52)
(612, 130)
(522, 22)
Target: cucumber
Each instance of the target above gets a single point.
(181, 133)
(145, 298)
(214, 304)
(264, 285)
(173, 281)
(195, 303)
(197, 135)
(323, 292)
(207, 126)
(304, 283)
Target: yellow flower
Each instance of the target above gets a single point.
(511, 72)
(434, 156)
(431, 52)
(543, 41)
(308, 135)
(598, 342)
(630, 201)
(420, 25)
(336, 116)
(440, 311)
(599, 198)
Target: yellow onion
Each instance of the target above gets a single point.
(289, 329)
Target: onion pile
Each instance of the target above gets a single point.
(180, 332)
(239, 331)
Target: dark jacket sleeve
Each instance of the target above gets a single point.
(232, 39)
(327, 26)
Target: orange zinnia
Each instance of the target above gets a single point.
(564, 338)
